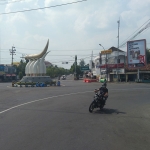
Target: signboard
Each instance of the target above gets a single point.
(2, 67)
(120, 65)
(120, 71)
(6, 69)
(2, 72)
(84, 68)
(136, 53)
(106, 51)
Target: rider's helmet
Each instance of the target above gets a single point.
(104, 85)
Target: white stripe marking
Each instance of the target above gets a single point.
(62, 96)
(42, 100)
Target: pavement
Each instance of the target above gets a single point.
(57, 118)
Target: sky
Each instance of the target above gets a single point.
(73, 27)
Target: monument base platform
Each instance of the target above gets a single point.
(36, 79)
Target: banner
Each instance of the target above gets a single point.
(136, 53)
(120, 65)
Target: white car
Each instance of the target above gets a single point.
(63, 77)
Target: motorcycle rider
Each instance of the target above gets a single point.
(103, 92)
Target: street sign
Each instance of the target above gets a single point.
(106, 51)
(84, 68)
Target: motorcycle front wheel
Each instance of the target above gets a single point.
(92, 106)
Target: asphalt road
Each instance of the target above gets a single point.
(57, 118)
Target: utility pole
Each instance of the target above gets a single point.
(100, 62)
(12, 52)
(105, 61)
(0, 46)
(118, 49)
(75, 66)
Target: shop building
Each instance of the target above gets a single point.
(107, 66)
(7, 72)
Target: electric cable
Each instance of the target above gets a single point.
(8, 2)
(42, 7)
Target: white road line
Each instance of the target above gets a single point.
(64, 95)
(42, 100)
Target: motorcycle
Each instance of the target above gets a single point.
(98, 102)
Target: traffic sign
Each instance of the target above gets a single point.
(84, 68)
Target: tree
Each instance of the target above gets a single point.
(54, 71)
(82, 62)
(21, 68)
(148, 55)
(20, 75)
(78, 70)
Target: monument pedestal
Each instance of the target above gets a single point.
(36, 79)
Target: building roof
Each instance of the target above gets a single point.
(47, 63)
(116, 49)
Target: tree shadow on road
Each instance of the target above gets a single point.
(108, 111)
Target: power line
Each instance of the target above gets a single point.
(42, 7)
(61, 49)
(134, 32)
(8, 2)
(140, 31)
(70, 60)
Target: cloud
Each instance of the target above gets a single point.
(81, 23)
(72, 27)
(137, 5)
(48, 2)
(18, 17)
(137, 13)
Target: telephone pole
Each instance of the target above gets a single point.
(12, 52)
(118, 50)
(75, 66)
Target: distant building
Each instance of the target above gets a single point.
(48, 64)
(7, 72)
(107, 66)
(16, 63)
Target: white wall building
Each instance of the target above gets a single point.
(106, 65)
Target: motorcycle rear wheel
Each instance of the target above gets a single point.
(101, 107)
(91, 108)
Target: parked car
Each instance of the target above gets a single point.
(80, 76)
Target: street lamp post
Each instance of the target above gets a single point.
(105, 61)
(118, 49)
(75, 65)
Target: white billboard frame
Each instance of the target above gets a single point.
(136, 53)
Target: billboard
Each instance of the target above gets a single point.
(136, 53)
(2, 69)
(120, 65)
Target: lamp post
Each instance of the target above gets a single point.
(75, 63)
(118, 49)
(105, 61)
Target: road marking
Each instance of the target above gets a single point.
(42, 100)
(9, 86)
(34, 86)
(64, 95)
